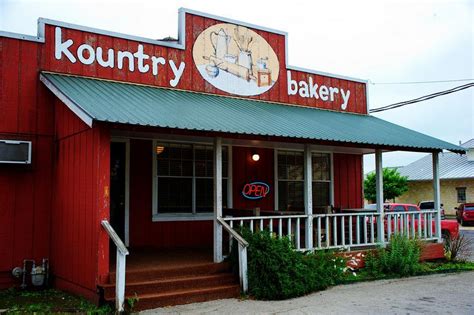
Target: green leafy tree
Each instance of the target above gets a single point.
(394, 185)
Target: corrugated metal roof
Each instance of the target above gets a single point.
(468, 144)
(150, 106)
(451, 166)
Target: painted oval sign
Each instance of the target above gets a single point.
(235, 59)
(255, 190)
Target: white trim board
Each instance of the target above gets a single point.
(181, 42)
(75, 108)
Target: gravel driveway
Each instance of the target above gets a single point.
(435, 294)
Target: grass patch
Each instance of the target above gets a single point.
(426, 268)
(46, 302)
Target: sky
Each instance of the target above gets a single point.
(381, 41)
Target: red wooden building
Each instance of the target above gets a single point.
(163, 137)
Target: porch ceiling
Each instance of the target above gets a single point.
(114, 102)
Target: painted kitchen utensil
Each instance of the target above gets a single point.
(220, 42)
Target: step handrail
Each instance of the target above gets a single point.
(242, 251)
(122, 252)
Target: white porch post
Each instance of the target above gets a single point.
(379, 196)
(308, 196)
(217, 199)
(437, 195)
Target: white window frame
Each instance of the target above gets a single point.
(331, 177)
(276, 179)
(193, 215)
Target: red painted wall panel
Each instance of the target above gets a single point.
(245, 170)
(80, 202)
(348, 181)
(143, 231)
(25, 190)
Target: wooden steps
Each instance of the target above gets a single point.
(172, 286)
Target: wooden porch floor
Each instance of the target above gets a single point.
(157, 259)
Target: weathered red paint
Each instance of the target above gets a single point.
(53, 207)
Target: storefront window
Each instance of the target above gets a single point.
(321, 181)
(290, 181)
(184, 179)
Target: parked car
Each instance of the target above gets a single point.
(429, 205)
(449, 228)
(465, 213)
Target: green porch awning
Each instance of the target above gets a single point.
(115, 102)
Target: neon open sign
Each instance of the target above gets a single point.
(255, 190)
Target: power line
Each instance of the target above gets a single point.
(420, 82)
(422, 98)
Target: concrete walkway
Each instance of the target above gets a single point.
(435, 294)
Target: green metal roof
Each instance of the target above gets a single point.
(99, 100)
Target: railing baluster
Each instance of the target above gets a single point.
(261, 224)
(430, 216)
(297, 233)
(343, 231)
(231, 223)
(365, 229)
(358, 229)
(372, 238)
(288, 229)
(327, 232)
(425, 230)
(271, 226)
(396, 226)
(319, 232)
(251, 226)
(280, 228)
(241, 223)
(334, 232)
(419, 225)
(389, 226)
(412, 225)
(350, 230)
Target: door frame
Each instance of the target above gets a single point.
(127, 188)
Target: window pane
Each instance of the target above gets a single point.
(320, 194)
(174, 195)
(163, 167)
(290, 196)
(204, 195)
(321, 166)
(290, 165)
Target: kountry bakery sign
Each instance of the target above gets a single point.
(214, 56)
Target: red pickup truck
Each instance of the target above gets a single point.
(449, 228)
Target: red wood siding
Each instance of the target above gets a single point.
(80, 203)
(348, 181)
(191, 79)
(25, 190)
(245, 170)
(143, 231)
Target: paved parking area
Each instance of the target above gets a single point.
(436, 294)
(468, 232)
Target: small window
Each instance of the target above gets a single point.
(399, 209)
(461, 192)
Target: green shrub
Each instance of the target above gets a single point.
(276, 271)
(400, 258)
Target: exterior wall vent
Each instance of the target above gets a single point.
(15, 152)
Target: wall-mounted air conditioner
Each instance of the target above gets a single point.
(15, 152)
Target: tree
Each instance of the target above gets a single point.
(394, 185)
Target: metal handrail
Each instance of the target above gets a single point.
(122, 252)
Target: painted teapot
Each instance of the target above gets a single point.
(220, 41)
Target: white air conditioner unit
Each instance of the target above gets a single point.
(15, 152)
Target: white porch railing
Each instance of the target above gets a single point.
(341, 230)
(122, 252)
(242, 252)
